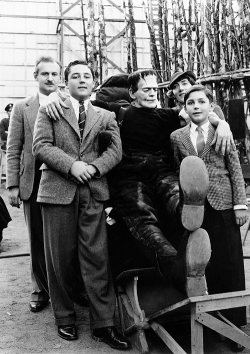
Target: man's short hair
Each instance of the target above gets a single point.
(136, 76)
(8, 107)
(45, 59)
(76, 62)
(195, 88)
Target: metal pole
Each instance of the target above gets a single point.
(62, 40)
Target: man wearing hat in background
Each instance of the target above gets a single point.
(4, 126)
(180, 82)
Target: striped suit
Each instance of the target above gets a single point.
(225, 272)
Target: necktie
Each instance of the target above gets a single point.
(200, 142)
(82, 117)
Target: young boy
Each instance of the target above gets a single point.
(72, 191)
(225, 208)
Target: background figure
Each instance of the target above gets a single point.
(180, 82)
(23, 173)
(4, 126)
(4, 217)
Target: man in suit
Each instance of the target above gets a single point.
(72, 191)
(225, 208)
(23, 175)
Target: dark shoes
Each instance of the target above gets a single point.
(67, 332)
(37, 306)
(112, 337)
(194, 184)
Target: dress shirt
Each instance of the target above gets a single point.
(193, 137)
(194, 133)
(75, 104)
(42, 99)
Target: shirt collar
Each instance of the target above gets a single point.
(204, 127)
(42, 99)
(75, 103)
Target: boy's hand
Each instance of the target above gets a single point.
(91, 170)
(223, 137)
(81, 171)
(53, 107)
(240, 216)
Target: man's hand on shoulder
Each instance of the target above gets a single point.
(14, 197)
(223, 137)
(54, 106)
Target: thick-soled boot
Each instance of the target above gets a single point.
(194, 184)
(188, 272)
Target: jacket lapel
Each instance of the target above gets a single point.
(187, 141)
(31, 111)
(209, 140)
(70, 116)
(93, 115)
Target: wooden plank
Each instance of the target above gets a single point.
(223, 328)
(168, 309)
(70, 18)
(71, 7)
(167, 339)
(197, 346)
(121, 33)
(223, 303)
(219, 296)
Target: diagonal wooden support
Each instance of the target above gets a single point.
(167, 339)
(223, 328)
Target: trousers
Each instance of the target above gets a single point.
(72, 231)
(145, 194)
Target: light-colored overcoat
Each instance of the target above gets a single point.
(20, 161)
(226, 183)
(57, 144)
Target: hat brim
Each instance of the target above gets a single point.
(182, 74)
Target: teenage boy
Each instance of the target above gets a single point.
(72, 191)
(225, 207)
(23, 174)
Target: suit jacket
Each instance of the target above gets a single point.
(20, 161)
(57, 144)
(226, 183)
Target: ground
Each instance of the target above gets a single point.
(24, 332)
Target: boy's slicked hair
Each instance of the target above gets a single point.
(45, 59)
(74, 63)
(196, 88)
(136, 76)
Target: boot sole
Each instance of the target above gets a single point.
(198, 253)
(194, 183)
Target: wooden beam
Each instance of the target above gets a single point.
(117, 7)
(222, 301)
(168, 309)
(117, 36)
(71, 7)
(167, 339)
(225, 329)
(197, 345)
(115, 66)
(64, 18)
(73, 31)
